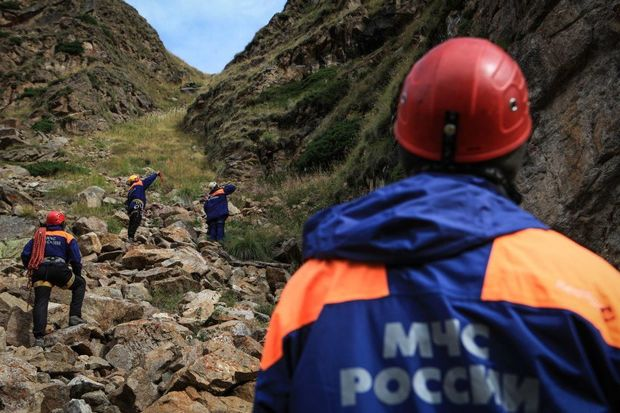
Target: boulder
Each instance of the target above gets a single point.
(59, 359)
(18, 390)
(92, 197)
(111, 242)
(200, 305)
(178, 401)
(189, 259)
(7, 303)
(19, 327)
(141, 256)
(13, 171)
(178, 285)
(135, 339)
(2, 339)
(77, 406)
(176, 234)
(159, 273)
(137, 393)
(223, 368)
(13, 197)
(89, 243)
(82, 384)
(122, 216)
(107, 312)
(229, 404)
(56, 396)
(91, 224)
(136, 291)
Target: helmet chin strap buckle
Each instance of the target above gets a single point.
(450, 129)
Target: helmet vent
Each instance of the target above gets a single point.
(513, 104)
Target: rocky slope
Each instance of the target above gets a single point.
(174, 322)
(317, 87)
(80, 65)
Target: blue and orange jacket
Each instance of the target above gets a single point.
(216, 204)
(58, 243)
(137, 191)
(437, 294)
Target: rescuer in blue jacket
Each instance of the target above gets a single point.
(216, 209)
(438, 293)
(47, 257)
(136, 201)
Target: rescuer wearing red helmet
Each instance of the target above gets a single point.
(47, 257)
(438, 293)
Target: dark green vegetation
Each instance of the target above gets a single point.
(329, 147)
(245, 242)
(9, 5)
(33, 92)
(88, 19)
(74, 48)
(45, 125)
(51, 168)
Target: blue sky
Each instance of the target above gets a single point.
(207, 33)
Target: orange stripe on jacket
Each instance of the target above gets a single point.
(542, 268)
(314, 285)
(63, 234)
(218, 192)
(137, 183)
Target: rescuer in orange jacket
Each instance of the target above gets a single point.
(48, 257)
(438, 293)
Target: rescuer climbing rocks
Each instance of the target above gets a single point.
(438, 292)
(136, 201)
(47, 257)
(216, 209)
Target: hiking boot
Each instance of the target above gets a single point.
(39, 342)
(75, 320)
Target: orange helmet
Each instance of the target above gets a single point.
(55, 218)
(465, 101)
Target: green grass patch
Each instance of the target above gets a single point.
(33, 92)
(45, 125)
(51, 168)
(156, 142)
(229, 298)
(169, 302)
(74, 48)
(265, 308)
(246, 241)
(115, 226)
(333, 145)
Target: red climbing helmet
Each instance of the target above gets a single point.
(55, 218)
(465, 101)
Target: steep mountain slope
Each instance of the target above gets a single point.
(316, 89)
(82, 64)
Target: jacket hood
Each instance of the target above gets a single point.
(419, 219)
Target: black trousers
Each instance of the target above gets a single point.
(135, 218)
(57, 275)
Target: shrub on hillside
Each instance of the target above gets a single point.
(9, 5)
(331, 146)
(325, 98)
(4, 34)
(45, 125)
(33, 92)
(73, 48)
(50, 168)
(88, 19)
(280, 95)
(249, 242)
(15, 40)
